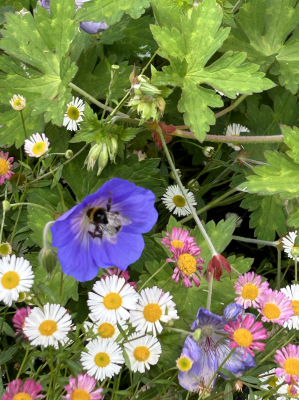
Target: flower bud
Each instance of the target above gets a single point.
(48, 260)
(68, 154)
(6, 205)
(103, 159)
(18, 102)
(5, 249)
(193, 185)
(93, 155)
(113, 148)
(208, 151)
(172, 176)
(22, 297)
(197, 334)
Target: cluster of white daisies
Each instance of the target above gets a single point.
(121, 319)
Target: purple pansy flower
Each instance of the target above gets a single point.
(104, 230)
(87, 26)
(210, 351)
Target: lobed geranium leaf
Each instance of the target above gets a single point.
(40, 43)
(263, 29)
(111, 10)
(189, 50)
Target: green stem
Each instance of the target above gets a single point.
(3, 217)
(278, 268)
(209, 299)
(24, 361)
(296, 272)
(152, 276)
(231, 139)
(270, 354)
(230, 108)
(256, 241)
(208, 206)
(178, 330)
(93, 100)
(192, 209)
(23, 123)
(60, 191)
(31, 205)
(61, 285)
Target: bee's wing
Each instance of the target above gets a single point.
(110, 233)
(117, 220)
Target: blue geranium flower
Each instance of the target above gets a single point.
(104, 230)
(211, 349)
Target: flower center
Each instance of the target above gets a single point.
(291, 366)
(250, 292)
(179, 200)
(177, 244)
(48, 327)
(295, 304)
(271, 311)
(112, 301)
(22, 396)
(73, 113)
(243, 337)
(3, 167)
(10, 280)
(4, 249)
(106, 330)
(102, 360)
(39, 148)
(273, 381)
(152, 312)
(184, 364)
(141, 353)
(187, 263)
(80, 394)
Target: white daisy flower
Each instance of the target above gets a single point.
(74, 113)
(153, 306)
(105, 328)
(273, 381)
(18, 102)
(16, 276)
(289, 244)
(285, 390)
(102, 359)
(292, 292)
(235, 130)
(37, 145)
(48, 327)
(142, 352)
(176, 202)
(113, 298)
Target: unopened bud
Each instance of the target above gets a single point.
(116, 67)
(113, 148)
(5, 249)
(193, 185)
(48, 260)
(208, 151)
(92, 156)
(68, 154)
(22, 297)
(172, 175)
(197, 334)
(103, 159)
(6, 205)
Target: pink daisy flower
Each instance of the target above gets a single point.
(288, 359)
(178, 238)
(246, 334)
(275, 307)
(120, 274)
(250, 289)
(5, 166)
(188, 265)
(18, 319)
(15, 390)
(82, 388)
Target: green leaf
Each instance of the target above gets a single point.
(43, 69)
(8, 354)
(111, 10)
(293, 219)
(228, 394)
(263, 29)
(152, 251)
(189, 50)
(267, 216)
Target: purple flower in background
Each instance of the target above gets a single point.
(210, 351)
(104, 230)
(87, 26)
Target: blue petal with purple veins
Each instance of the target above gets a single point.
(94, 27)
(81, 254)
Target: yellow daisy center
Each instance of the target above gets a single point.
(18, 103)
(152, 312)
(187, 263)
(4, 249)
(22, 396)
(73, 113)
(10, 280)
(106, 330)
(295, 304)
(250, 292)
(271, 311)
(48, 327)
(179, 200)
(102, 360)
(141, 353)
(177, 244)
(4, 167)
(289, 392)
(39, 148)
(291, 366)
(273, 381)
(80, 394)
(184, 364)
(243, 337)
(112, 301)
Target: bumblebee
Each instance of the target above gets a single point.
(105, 222)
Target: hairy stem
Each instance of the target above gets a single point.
(278, 268)
(152, 276)
(231, 107)
(256, 241)
(209, 299)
